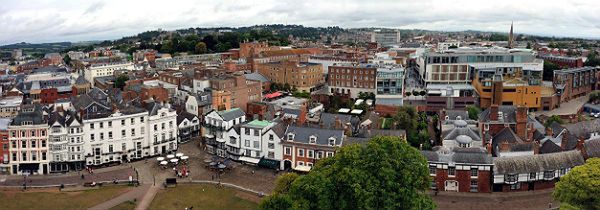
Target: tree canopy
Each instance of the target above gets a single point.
(473, 112)
(120, 81)
(553, 118)
(581, 186)
(386, 173)
(549, 69)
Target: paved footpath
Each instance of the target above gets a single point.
(137, 194)
(148, 197)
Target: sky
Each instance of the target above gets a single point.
(38, 21)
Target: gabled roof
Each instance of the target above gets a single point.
(549, 147)
(231, 114)
(556, 129)
(509, 113)
(472, 155)
(592, 148)
(537, 163)
(185, 115)
(30, 113)
(256, 77)
(303, 134)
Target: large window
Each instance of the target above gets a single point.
(473, 172)
(432, 170)
(548, 174)
(288, 150)
(300, 152)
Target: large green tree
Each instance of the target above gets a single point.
(473, 112)
(386, 173)
(120, 81)
(581, 186)
(200, 48)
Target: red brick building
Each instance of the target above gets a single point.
(352, 79)
(304, 146)
(4, 146)
(460, 169)
(50, 95)
(563, 61)
(242, 90)
(575, 82)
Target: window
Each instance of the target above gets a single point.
(331, 142)
(288, 150)
(300, 152)
(33, 144)
(270, 137)
(290, 137)
(271, 155)
(123, 146)
(123, 122)
(110, 148)
(24, 156)
(312, 140)
(43, 133)
(101, 125)
(256, 144)
(91, 125)
(515, 186)
(133, 132)
(43, 155)
(247, 143)
(110, 136)
(162, 126)
(247, 131)
(43, 143)
(548, 174)
(123, 133)
(256, 132)
(473, 172)
(451, 171)
(132, 121)
(110, 124)
(155, 127)
(13, 144)
(23, 144)
(510, 177)
(473, 185)
(142, 119)
(92, 137)
(310, 153)
(432, 170)
(271, 146)
(232, 140)
(101, 136)
(329, 154)
(300, 163)
(170, 124)
(14, 156)
(320, 155)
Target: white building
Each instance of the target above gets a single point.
(162, 127)
(390, 85)
(66, 142)
(258, 140)
(105, 69)
(216, 125)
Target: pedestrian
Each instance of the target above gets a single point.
(82, 176)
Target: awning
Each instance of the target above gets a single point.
(249, 160)
(273, 95)
(356, 111)
(367, 122)
(268, 163)
(343, 110)
(303, 168)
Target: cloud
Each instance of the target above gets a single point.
(71, 20)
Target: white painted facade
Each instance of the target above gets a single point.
(101, 70)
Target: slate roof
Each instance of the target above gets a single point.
(185, 115)
(256, 77)
(231, 114)
(549, 147)
(584, 129)
(328, 119)
(506, 135)
(81, 80)
(473, 155)
(302, 134)
(463, 129)
(36, 115)
(592, 148)
(556, 129)
(537, 163)
(510, 113)
(279, 129)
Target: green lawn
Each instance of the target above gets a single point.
(201, 196)
(127, 205)
(52, 199)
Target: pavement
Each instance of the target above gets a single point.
(539, 199)
(121, 172)
(137, 194)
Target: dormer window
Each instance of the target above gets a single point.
(332, 141)
(312, 140)
(290, 137)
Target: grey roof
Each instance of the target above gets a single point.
(279, 129)
(506, 135)
(549, 147)
(231, 114)
(329, 119)
(584, 128)
(302, 134)
(453, 114)
(510, 113)
(537, 163)
(256, 77)
(461, 131)
(592, 148)
(30, 113)
(81, 80)
(472, 155)
(185, 115)
(556, 129)
(4, 122)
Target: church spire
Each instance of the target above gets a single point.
(511, 37)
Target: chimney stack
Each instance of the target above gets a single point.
(549, 132)
(536, 147)
(494, 112)
(564, 141)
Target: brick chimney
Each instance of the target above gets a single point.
(580, 146)
(536, 147)
(522, 122)
(564, 141)
(488, 146)
(493, 112)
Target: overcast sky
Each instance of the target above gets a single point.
(63, 20)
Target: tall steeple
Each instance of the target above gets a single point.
(511, 37)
